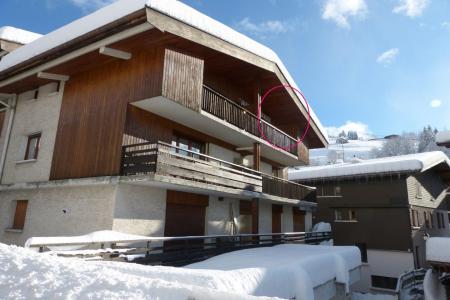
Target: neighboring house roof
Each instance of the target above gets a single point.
(17, 35)
(443, 138)
(419, 162)
(171, 8)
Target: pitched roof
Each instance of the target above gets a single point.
(172, 8)
(17, 35)
(411, 163)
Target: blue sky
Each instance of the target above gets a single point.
(383, 65)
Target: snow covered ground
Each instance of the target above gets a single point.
(283, 271)
(369, 296)
(354, 148)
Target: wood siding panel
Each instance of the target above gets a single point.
(183, 79)
(93, 114)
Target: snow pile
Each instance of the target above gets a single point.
(402, 163)
(291, 271)
(321, 226)
(172, 8)
(97, 237)
(17, 35)
(443, 137)
(432, 287)
(369, 296)
(438, 249)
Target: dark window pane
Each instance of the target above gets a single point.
(384, 282)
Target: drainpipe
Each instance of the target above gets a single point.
(12, 109)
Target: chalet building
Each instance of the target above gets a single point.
(387, 207)
(142, 118)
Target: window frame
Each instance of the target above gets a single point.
(38, 136)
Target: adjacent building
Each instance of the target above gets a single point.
(443, 138)
(388, 207)
(143, 118)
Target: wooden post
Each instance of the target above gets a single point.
(255, 216)
(257, 156)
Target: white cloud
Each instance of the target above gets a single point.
(361, 128)
(340, 11)
(265, 28)
(89, 5)
(388, 57)
(435, 103)
(411, 8)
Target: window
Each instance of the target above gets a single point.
(414, 221)
(344, 214)
(418, 190)
(427, 220)
(20, 213)
(363, 248)
(384, 282)
(184, 143)
(329, 190)
(431, 220)
(32, 146)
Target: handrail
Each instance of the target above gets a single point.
(254, 172)
(311, 188)
(251, 114)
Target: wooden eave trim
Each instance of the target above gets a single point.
(198, 36)
(91, 37)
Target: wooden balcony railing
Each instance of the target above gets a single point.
(200, 169)
(287, 189)
(229, 111)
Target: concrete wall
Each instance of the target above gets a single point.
(139, 210)
(87, 209)
(218, 216)
(265, 217)
(383, 263)
(288, 221)
(33, 116)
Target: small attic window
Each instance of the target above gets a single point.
(418, 190)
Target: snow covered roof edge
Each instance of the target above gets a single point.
(419, 162)
(172, 8)
(17, 35)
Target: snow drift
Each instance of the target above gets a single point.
(283, 271)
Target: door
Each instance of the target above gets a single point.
(277, 211)
(185, 216)
(299, 219)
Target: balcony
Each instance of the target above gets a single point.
(229, 111)
(195, 171)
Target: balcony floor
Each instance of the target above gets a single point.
(213, 126)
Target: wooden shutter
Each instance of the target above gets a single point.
(277, 211)
(20, 214)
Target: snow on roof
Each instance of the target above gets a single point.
(172, 8)
(418, 162)
(291, 272)
(17, 35)
(438, 249)
(443, 137)
(97, 237)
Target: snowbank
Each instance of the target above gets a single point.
(17, 35)
(171, 8)
(97, 237)
(321, 226)
(438, 249)
(412, 162)
(285, 271)
(432, 287)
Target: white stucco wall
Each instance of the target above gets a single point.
(288, 221)
(87, 209)
(222, 153)
(218, 215)
(140, 210)
(383, 263)
(33, 116)
(308, 221)
(265, 217)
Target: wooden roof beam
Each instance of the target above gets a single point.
(115, 53)
(51, 76)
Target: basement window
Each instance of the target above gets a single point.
(345, 215)
(384, 282)
(20, 214)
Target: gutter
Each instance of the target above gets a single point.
(12, 109)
